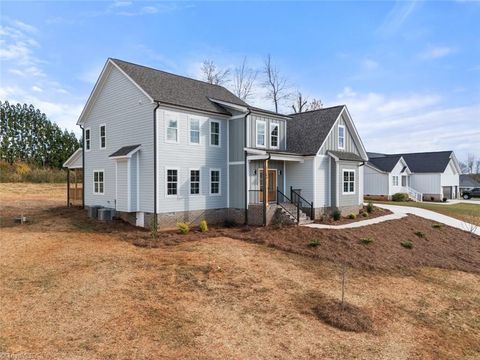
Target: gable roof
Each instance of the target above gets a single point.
(466, 180)
(425, 162)
(178, 90)
(384, 163)
(307, 131)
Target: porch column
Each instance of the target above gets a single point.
(76, 186)
(68, 187)
(265, 191)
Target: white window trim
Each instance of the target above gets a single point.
(166, 120)
(93, 182)
(190, 131)
(257, 123)
(394, 177)
(166, 182)
(272, 124)
(354, 181)
(190, 181)
(219, 133)
(338, 139)
(90, 139)
(100, 137)
(219, 182)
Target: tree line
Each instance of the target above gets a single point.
(243, 80)
(27, 135)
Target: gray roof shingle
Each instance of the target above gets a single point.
(123, 151)
(384, 163)
(466, 180)
(178, 90)
(307, 131)
(426, 162)
(344, 155)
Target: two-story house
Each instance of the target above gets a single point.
(186, 150)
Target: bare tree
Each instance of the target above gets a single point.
(212, 74)
(243, 80)
(315, 104)
(274, 83)
(300, 104)
(470, 164)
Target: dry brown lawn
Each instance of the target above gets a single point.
(70, 290)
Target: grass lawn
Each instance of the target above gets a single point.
(461, 211)
(73, 288)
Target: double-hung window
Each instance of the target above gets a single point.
(87, 139)
(395, 180)
(171, 128)
(172, 182)
(261, 130)
(214, 133)
(274, 135)
(341, 137)
(194, 182)
(98, 182)
(215, 182)
(349, 181)
(194, 131)
(103, 137)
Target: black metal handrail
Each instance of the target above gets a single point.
(281, 194)
(302, 203)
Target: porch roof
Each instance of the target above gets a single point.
(75, 161)
(125, 152)
(344, 155)
(259, 154)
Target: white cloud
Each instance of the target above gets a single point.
(369, 64)
(436, 52)
(396, 17)
(37, 88)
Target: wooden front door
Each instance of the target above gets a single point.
(272, 185)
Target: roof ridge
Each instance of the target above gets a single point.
(325, 108)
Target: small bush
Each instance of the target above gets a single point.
(203, 226)
(366, 240)
(420, 234)
(365, 214)
(437, 226)
(314, 243)
(400, 197)
(337, 214)
(352, 216)
(183, 227)
(370, 207)
(407, 244)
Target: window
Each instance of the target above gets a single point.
(194, 131)
(172, 129)
(341, 137)
(98, 182)
(87, 139)
(260, 133)
(274, 135)
(194, 182)
(395, 180)
(172, 182)
(214, 182)
(349, 181)
(214, 133)
(103, 137)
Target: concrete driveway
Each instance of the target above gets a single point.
(432, 215)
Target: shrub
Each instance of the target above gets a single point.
(337, 214)
(407, 244)
(437, 226)
(366, 240)
(22, 168)
(352, 216)
(365, 214)
(400, 197)
(314, 243)
(420, 234)
(183, 227)
(370, 207)
(203, 226)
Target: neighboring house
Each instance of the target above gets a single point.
(187, 150)
(429, 176)
(467, 182)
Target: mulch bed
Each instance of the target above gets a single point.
(328, 220)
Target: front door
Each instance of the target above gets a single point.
(272, 185)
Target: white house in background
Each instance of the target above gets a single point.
(428, 176)
(164, 148)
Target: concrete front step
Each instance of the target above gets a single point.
(292, 209)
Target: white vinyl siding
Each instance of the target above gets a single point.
(215, 182)
(348, 181)
(260, 133)
(194, 125)
(98, 182)
(171, 123)
(88, 139)
(274, 132)
(194, 182)
(103, 136)
(215, 133)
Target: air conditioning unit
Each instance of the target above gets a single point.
(93, 211)
(105, 214)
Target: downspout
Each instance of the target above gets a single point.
(83, 167)
(245, 166)
(155, 220)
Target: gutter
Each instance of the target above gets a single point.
(155, 220)
(245, 165)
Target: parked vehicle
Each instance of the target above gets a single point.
(474, 193)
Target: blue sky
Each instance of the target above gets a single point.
(408, 71)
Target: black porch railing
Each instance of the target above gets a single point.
(301, 203)
(282, 200)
